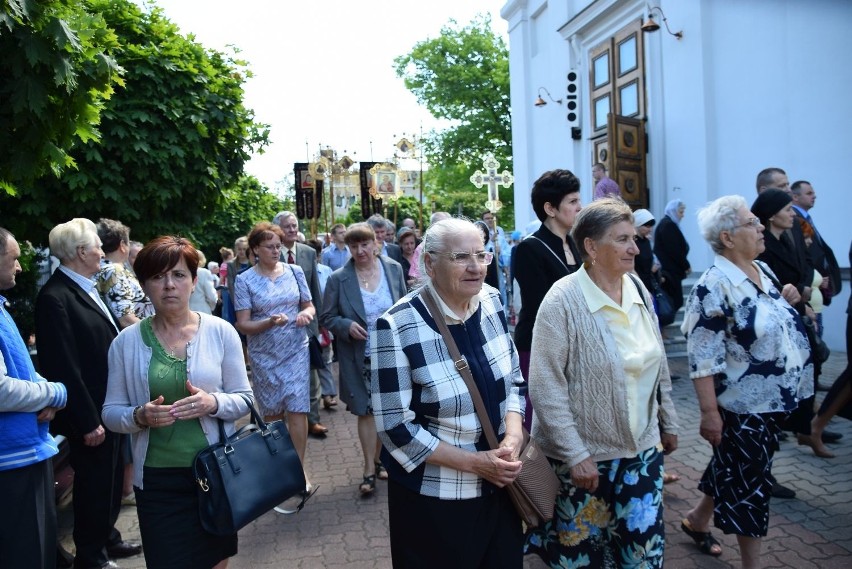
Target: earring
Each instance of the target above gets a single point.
(593, 262)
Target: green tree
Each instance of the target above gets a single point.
(173, 140)
(56, 71)
(239, 209)
(463, 76)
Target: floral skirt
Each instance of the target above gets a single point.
(618, 525)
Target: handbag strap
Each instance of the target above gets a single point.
(561, 260)
(461, 367)
(639, 290)
(255, 416)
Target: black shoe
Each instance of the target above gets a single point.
(831, 436)
(123, 549)
(779, 491)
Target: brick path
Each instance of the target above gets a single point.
(340, 530)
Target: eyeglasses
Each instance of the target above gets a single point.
(272, 247)
(751, 222)
(464, 258)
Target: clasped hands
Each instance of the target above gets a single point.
(199, 403)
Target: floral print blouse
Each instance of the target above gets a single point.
(121, 292)
(752, 342)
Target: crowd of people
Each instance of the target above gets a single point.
(143, 348)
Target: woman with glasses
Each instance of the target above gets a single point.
(600, 386)
(274, 308)
(445, 482)
(750, 365)
(355, 296)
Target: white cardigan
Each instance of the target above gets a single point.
(214, 364)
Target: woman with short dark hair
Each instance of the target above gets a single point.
(172, 376)
(546, 256)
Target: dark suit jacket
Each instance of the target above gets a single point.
(306, 257)
(394, 252)
(821, 255)
(74, 336)
(344, 305)
(786, 262)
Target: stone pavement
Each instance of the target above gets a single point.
(338, 529)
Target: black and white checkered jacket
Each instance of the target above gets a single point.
(419, 399)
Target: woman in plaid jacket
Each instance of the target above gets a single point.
(446, 485)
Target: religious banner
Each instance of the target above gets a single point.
(307, 189)
(369, 204)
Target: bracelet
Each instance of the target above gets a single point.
(136, 417)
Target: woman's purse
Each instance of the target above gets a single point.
(243, 476)
(534, 491)
(662, 303)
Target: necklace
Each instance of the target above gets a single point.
(365, 280)
(181, 344)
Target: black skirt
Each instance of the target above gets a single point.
(171, 530)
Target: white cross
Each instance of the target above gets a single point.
(493, 179)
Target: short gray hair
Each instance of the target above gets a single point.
(595, 219)
(376, 221)
(438, 216)
(5, 235)
(282, 215)
(438, 236)
(718, 216)
(65, 238)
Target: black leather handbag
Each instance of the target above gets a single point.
(247, 474)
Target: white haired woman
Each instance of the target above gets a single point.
(445, 482)
(750, 364)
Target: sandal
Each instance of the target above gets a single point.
(368, 486)
(381, 471)
(703, 539)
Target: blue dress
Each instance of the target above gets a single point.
(279, 356)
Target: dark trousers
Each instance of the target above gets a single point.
(98, 478)
(427, 532)
(28, 519)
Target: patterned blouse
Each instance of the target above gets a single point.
(752, 342)
(121, 292)
(375, 304)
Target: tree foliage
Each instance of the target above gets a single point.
(56, 71)
(241, 207)
(463, 76)
(173, 141)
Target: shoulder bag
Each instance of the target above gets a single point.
(247, 474)
(534, 491)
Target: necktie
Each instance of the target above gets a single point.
(290, 259)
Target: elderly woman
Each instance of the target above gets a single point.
(671, 249)
(545, 256)
(750, 363)
(355, 296)
(791, 265)
(171, 376)
(600, 387)
(117, 284)
(273, 305)
(407, 240)
(204, 297)
(445, 481)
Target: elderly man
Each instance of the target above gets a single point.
(74, 330)
(380, 228)
(296, 253)
(27, 403)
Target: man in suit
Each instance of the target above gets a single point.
(27, 405)
(804, 198)
(380, 228)
(74, 330)
(303, 255)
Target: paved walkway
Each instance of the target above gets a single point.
(338, 529)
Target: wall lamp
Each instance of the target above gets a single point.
(650, 25)
(539, 102)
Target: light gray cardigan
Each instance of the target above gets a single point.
(577, 382)
(214, 364)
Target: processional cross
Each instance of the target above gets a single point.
(493, 180)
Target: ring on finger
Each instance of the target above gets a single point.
(192, 405)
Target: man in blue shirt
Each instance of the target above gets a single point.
(335, 255)
(27, 404)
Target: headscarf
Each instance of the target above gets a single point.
(671, 210)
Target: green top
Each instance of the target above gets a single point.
(177, 444)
